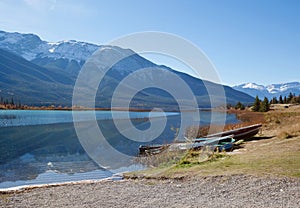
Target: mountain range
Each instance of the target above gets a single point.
(42, 73)
(269, 91)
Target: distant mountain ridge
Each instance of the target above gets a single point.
(269, 91)
(31, 47)
(39, 72)
(68, 55)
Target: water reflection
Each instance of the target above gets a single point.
(36, 154)
(28, 151)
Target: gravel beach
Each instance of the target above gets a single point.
(212, 191)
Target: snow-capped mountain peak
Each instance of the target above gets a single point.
(71, 50)
(253, 86)
(269, 91)
(276, 88)
(31, 47)
(69, 55)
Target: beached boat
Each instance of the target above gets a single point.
(222, 140)
(221, 143)
(240, 133)
(216, 143)
(152, 149)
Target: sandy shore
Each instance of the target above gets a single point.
(213, 191)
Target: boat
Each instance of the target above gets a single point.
(152, 149)
(225, 143)
(242, 133)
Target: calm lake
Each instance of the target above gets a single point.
(41, 147)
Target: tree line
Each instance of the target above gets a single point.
(290, 99)
(261, 106)
(264, 105)
(10, 102)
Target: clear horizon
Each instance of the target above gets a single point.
(249, 41)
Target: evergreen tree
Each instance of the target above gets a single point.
(265, 105)
(285, 100)
(12, 101)
(228, 106)
(298, 99)
(274, 100)
(289, 98)
(280, 99)
(240, 106)
(256, 104)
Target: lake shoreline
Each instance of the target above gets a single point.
(258, 187)
(109, 109)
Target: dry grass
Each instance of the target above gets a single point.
(162, 159)
(247, 117)
(283, 123)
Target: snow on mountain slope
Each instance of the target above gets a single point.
(67, 55)
(269, 91)
(72, 50)
(253, 86)
(31, 47)
(277, 88)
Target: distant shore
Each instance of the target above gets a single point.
(66, 108)
(74, 108)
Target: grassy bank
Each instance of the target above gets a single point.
(275, 151)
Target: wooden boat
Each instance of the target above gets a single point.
(240, 133)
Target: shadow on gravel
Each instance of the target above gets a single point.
(255, 138)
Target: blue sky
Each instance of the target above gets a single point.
(247, 41)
